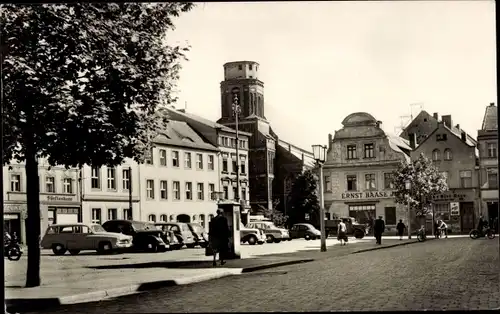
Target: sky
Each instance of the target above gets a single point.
(321, 61)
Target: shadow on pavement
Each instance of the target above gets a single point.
(29, 305)
(166, 264)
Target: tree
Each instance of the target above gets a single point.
(426, 181)
(276, 216)
(83, 84)
(304, 197)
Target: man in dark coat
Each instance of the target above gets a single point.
(378, 229)
(219, 237)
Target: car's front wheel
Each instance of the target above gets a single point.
(307, 237)
(104, 247)
(269, 239)
(252, 240)
(58, 249)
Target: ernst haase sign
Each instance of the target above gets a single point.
(376, 194)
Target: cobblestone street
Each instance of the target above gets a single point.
(446, 274)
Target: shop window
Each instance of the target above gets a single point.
(362, 213)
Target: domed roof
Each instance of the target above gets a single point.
(359, 118)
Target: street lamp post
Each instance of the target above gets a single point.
(408, 188)
(319, 152)
(237, 111)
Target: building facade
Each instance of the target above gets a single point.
(59, 196)
(264, 142)
(179, 177)
(360, 161)
(224, 138)
(106, 192)
(453, 152)
(487, 142)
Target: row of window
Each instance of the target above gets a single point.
(234, 164)
(250, 67)
(111, 178)
(370, 182)
(231, 142)
(176, 190)
(436, 154)
(369, 151)
(49, 185)
(149, 160)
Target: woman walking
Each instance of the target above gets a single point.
(342, 232)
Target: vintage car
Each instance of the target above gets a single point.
(354, 228)
(169, 237)
(251, 235)
(273, 233)
(145, 235)
(181, 231)
(304, 230)
(79, 237)
(199, 234)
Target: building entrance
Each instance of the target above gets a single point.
(493, 215)
(466, 216)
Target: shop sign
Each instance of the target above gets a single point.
(455, 209)
(454, 196)
(370, 195)
(60, 198)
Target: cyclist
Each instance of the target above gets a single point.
(443, 227)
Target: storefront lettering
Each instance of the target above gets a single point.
(450, 197)
(52, 198)
(377, 194)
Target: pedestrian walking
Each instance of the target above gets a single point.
(342, 232)
(219, 237)
(401, 229)
(378, 229)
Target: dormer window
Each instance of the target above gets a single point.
(240, 67)
(436, 155)
(447, 154)
(441, 137)
(250, 67)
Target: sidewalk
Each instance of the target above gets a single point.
(114, 276)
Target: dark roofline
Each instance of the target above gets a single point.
(294, 146)
(240, 62)
(449, 130)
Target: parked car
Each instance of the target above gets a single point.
(145, 235)
(181, 231)
(169, 237)
(304, 230)
(251, 235)
(78, 237)
(273, 233)
(354, 228)
(199, 234)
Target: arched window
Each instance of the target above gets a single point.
(447, 154)
(435, 155)
(163, 218)
(210, 217)
(172, 218)
(152, 218)
(202, 220)
(194, 218)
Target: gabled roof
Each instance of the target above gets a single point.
(423, 114)
(204, 121)
(490, 119)
(297, 152)
(179, 133)
(469, 140)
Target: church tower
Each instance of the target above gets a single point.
(245, 76)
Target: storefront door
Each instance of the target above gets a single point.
(493, 214)
(467, 216)
(12, 224)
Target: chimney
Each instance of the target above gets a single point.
(330, 139)
(492, 104)
(435, 115)
(457, 126)
(413, 140)
(447, 120)
(463, 136)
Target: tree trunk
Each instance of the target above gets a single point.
(33, 219)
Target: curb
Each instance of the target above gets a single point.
(26, 305)
(389, 246)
